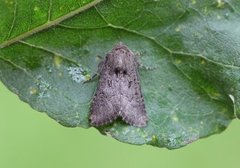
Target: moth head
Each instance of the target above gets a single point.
(120, 58)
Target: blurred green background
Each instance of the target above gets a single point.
(31, 139)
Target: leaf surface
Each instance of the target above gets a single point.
(191, 90)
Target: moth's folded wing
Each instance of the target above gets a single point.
(134, 112)
(102, 111)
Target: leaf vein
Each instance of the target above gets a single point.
(48, 24)
(14, 19)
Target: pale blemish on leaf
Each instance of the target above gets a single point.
(205, 10)
(87, 76)
(33, 91)
(145, 135)
(43, 87)
(203, 62)
(78, 74)
(178, 29)
(154, 139)
(175, 118)
(183, 139)
(49, 69)
(36, 8)
(213, 93)
(219, 17)
(226, 15)
(172, 141)
(9, 2)
(60, 74)
(77, 116)
(189, 137)
(220, 3)
(57, 61)
(178, 61)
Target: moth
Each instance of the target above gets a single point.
(118, 93)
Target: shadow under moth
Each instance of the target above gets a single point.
(118, 92)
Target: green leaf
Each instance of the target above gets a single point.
(193, 47)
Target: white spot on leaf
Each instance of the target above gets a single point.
(77, 74)
(43, 87)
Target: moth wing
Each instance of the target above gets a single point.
(102, 111)
(134, 112)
